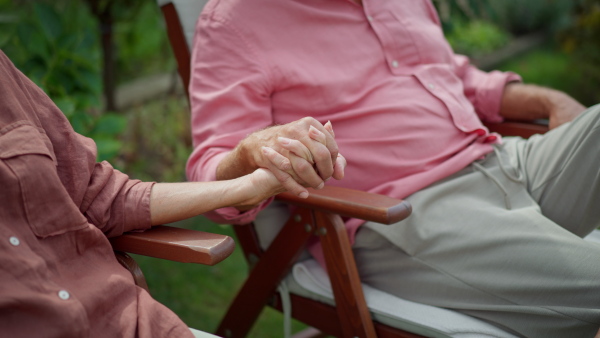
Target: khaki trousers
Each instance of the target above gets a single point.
(502, 239)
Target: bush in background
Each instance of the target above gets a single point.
(55, 45)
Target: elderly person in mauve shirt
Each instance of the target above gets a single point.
(497, 224)
(59, 276)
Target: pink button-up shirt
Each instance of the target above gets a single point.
(405, 109)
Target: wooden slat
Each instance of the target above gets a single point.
(129, 263)
(353, 203)
(515, 128)
(353, 313)
(176, 244)
(178, 44)
(265, 276)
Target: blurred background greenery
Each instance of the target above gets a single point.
(83, 52)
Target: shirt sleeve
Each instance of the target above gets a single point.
(105, 196)
(230, 98)
(483, 89)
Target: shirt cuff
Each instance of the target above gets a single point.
(137, 206)
(489, 95)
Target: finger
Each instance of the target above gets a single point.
(296, 147)
(283, 171)
(286, 180)
(339, 167)
(306, 172)
(280, 161)
(322, 158)
(329, 127)
(317, 135)
(329, 141)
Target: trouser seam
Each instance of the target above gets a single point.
(489, 293)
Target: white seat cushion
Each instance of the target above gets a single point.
(309, 280)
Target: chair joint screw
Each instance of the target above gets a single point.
(297, 218)
(307, 227)
(321, 231)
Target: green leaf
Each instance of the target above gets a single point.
(66, 105)
(110, 125)
(49, 20)
(107, 148)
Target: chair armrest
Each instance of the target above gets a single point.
(352, 203)
(519, 128)
(176, 244)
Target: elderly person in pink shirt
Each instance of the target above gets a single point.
(497, 224)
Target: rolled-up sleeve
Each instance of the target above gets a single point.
(230, 98)
(114, 203)
(483, 89)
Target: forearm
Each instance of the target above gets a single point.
(529, 102)
(170, 202)
(525, 102)
(236, 164)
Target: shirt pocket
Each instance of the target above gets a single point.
(48, 207)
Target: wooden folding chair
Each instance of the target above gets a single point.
(319, 215)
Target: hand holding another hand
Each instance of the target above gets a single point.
(300, 154)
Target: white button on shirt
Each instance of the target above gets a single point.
(14, 241)
(64, 295)
(395, 64)
(431, 86)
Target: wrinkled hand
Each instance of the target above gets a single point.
(562, 108)
(259, 185)
(299, 154)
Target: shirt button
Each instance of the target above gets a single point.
(64, 294)
(370, 18)
(14, 241)
(431, 86)
(395, 64)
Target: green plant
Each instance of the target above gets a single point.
(517, 17)
(55, 45)
(476, 37)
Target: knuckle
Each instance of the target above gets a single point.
(321, 154)
(303, 166)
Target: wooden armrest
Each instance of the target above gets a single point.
(353, 203)
(176, 244)
(519, 128)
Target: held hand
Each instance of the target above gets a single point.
(294, 157)
(258, 186)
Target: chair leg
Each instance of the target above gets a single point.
(266, 275)
(350, 301)
(129, 263)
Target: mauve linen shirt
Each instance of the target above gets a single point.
(59, 276)
(405, 109)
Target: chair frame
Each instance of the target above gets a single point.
(319, 215)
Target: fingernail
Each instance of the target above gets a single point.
(321, 185)
(314, 130)
(284, 140)
(330, 127)
(264, 150)
(303, 194)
